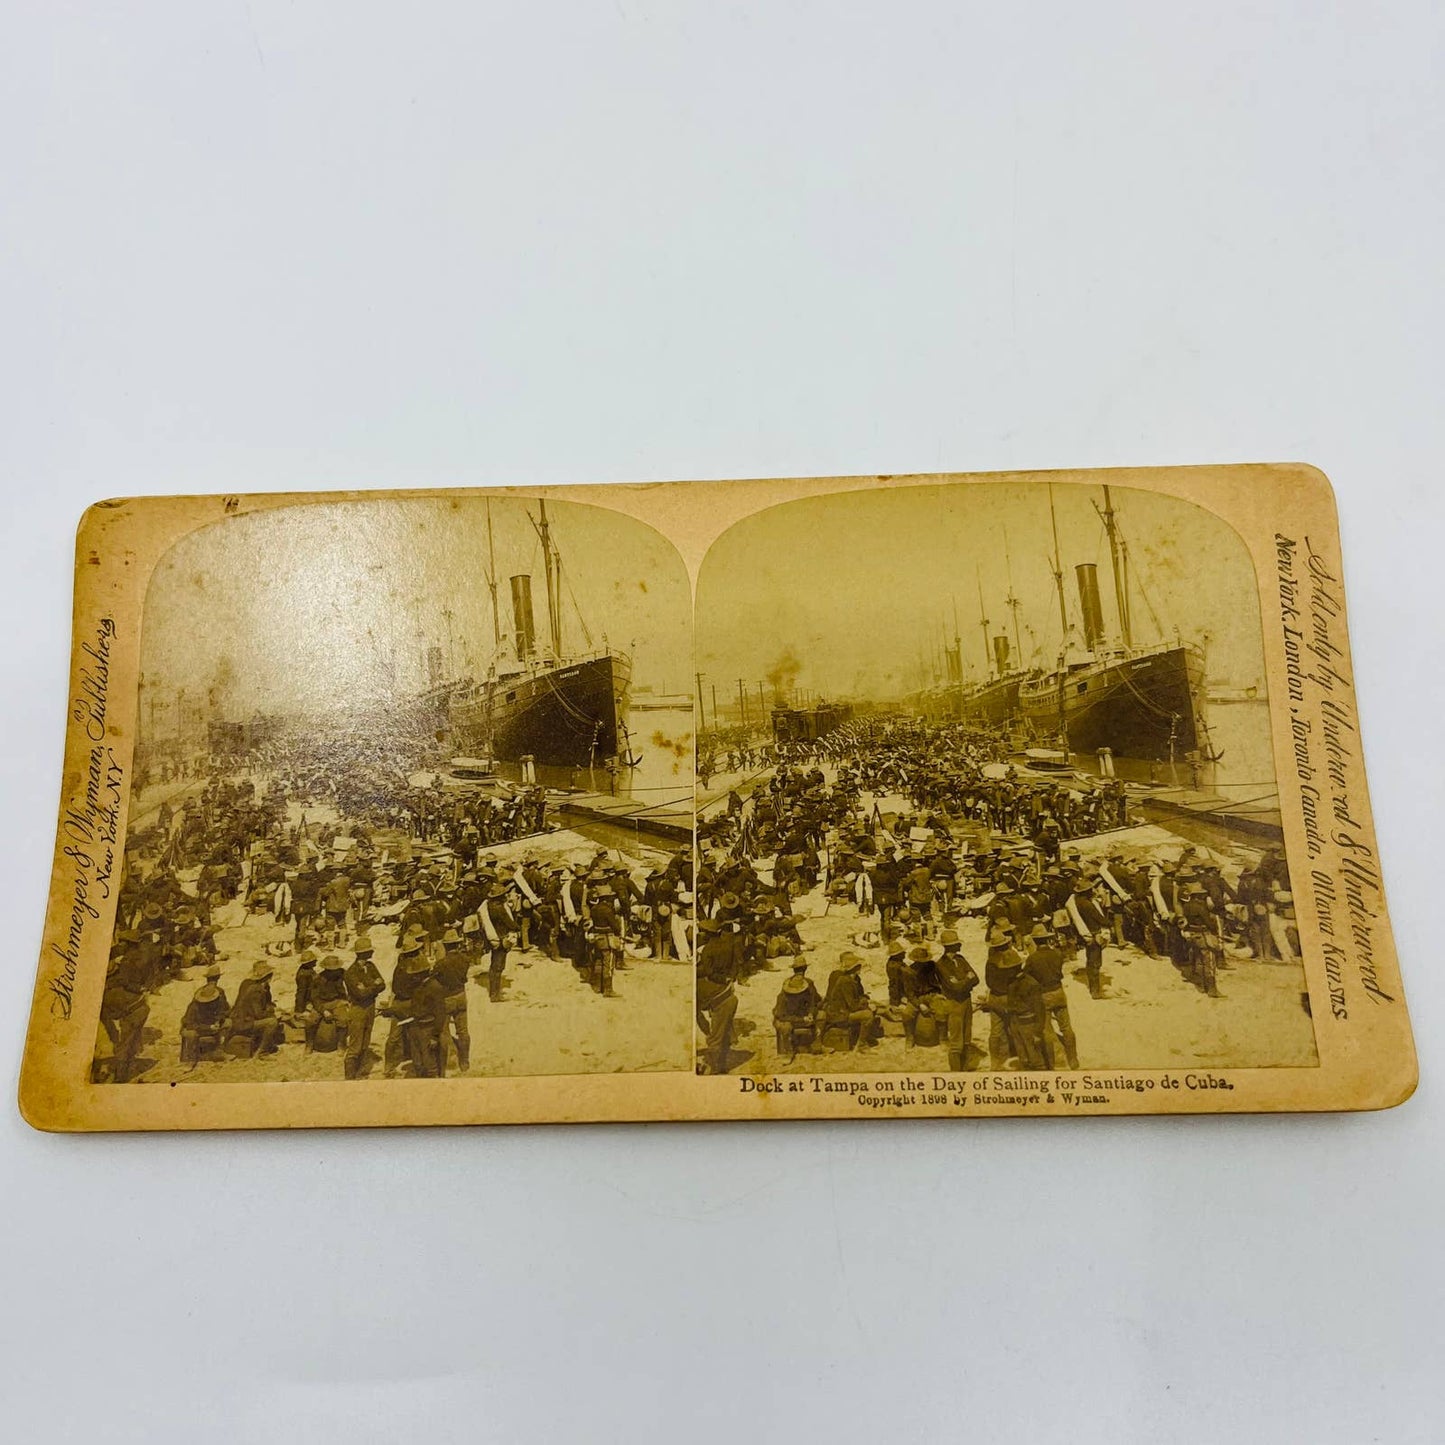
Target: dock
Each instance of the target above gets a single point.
(1258, 814)
(667, 817)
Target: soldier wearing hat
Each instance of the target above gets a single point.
(450, 971)
(795, 1014)
(364, 985)
(204, 1021)
(324, 1021)
(539, 919)
(718, 960)
(896, 967)
(946, 984)
(659, 894)
(1200, 927)
(847, 1003)
(572, 914)
(499, 936)
(305, 980)
(406, 978)
(1001, 969)
(253, 1015)
(1045, 964)
(426, 1031)
(1093, 928)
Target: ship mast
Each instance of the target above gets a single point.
(957, 642)
(1121, 573)
(1058, 573)
(554, 599)
(492, 580)
(983, 622)
(1011, 601)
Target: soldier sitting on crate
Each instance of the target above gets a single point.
(204, 1023)
(327, 1008)
(795, 1014)
(941, 988)
(254, 1023)
(847, 1005)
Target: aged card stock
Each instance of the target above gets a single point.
(843, 797)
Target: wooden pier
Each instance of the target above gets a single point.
(1259, 814)
(668, 816)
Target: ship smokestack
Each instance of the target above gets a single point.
(522, 614)
(1089, 604)
(1000, 654)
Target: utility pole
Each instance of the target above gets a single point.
(701, 710)
(714, 704)
(742, 704)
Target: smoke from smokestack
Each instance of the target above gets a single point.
(783, 675)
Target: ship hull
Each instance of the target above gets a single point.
(567, 716)
(1141, 707)
(993, 706)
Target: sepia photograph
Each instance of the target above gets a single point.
(411, 798)
(986, 781)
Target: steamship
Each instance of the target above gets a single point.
(1141, 702)
(537, 700)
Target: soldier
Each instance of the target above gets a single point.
(918, 890)
(659, 893)
(795, 1014)
(1000, 970)
(451, 972)
(253, 1015)
(953, 1003)
(428, 1026)
(604, 939)
(718, 961)
(896, 967)
(305, 980)
(499, 932)
(1201, 928)
(406, 978)
(530, 883)
(336, 901)
(847, 1002)
(326, 1014)
(1026, 1020)
(1093, 929)
(886, 882)
(205, 1018)
(1046, 966)
(547, 917)
(572, 902)
(364, 984)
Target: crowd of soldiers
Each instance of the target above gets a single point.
(243, 852)
(971, 839)
(732, 750)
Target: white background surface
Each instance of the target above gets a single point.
(265, 245)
